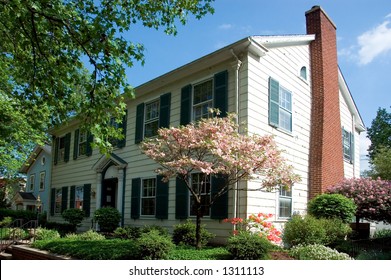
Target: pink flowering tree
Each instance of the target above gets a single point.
(372, 197)
(214, 147)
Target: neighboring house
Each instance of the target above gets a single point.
(288, 86)
(38, 174)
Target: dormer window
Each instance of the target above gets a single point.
(303, 73)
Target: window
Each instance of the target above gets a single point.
(61, 149)
(202, 100)
(280, 106)
(79, 197)
(151, 123)
(303, 73)
(148, 197)
(82, 143)
(58, 200)
(348, 145)
(31, 183)
(200, 183)
(42, 181)
(285, 203)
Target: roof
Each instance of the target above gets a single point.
(33, 156)
(27, 195)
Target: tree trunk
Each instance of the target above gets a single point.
(198, 228)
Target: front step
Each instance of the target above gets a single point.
(5, 256)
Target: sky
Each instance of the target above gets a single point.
(363, 43)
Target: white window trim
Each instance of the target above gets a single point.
(142, 196)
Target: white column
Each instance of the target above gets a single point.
(120, 189)
(98, 194)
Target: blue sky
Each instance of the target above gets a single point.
(363, 41)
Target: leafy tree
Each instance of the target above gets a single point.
(381, 164)
(62, 58)
(372, 197)
(379, 133)
(214, 147)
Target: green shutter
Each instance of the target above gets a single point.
(56, 142)
(221, 92)
(67, 146)
(87, 199)
(135, 207)
(52, 201)
(72, 197)
(219, 209)
(165, 110)
(181, 200)
(274, 102)
(185, 117)
(90, 139)
(122, 142)
(64, 198)
(76, 144)
(161, 198)
(139, 123)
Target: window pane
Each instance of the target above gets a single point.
(148, 197)
(79, 197)
(57, 206)
(285, 120)
(202, 100)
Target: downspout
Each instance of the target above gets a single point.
(354, 145)
(236, 66)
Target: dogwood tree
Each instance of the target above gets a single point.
(213, 147)
(372, 197)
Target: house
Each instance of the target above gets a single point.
(288, 86)
(37, 168)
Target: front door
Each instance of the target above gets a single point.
(109, 192)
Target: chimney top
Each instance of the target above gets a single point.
(316, 8)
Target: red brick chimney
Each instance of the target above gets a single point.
(326, 154)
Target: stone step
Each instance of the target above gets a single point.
(5, 256)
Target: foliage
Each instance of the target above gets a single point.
(73, 216)
(207, 253)
(257, 224)
(248, 246)
(6, 221)
(379, 133)
(382, 233)
(381, 164)
(88, 235)
(109, 249)
(336, 230)
(127, 232)
(108, 218)
(303, 230)
(317, 252)
(332, 206)
(152, 245)
(214, 147)
(65, 58)
(46, 234)
(374, 255)
(185, 234)
(372, 197)
(25, 215)
(62, 228)
(13, 233)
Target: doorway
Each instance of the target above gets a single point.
(109, 192)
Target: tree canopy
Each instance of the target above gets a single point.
(379, 132)
(66, 58)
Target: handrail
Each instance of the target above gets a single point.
(12, 232)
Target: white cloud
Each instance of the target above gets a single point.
(225, 26)
(375, 42)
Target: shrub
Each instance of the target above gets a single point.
(316, 252)
(154, 246)
(88, 235)
(332, 206)
(127, 232)
(303, 230)
(108, 218)
(62, 228)
(248, 246)
(382, 233)
(6, 222)
(162, 231)
(46, 234)
(336, 230)
(25, 215)
(73, 216)
(13, 233)
(185, 234)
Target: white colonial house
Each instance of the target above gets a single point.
(288, 86)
